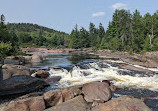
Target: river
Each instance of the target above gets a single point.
(81, 69)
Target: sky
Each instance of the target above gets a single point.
(63, 15)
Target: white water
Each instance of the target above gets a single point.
(80, 76)
(138, 66)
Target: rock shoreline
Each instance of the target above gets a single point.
(95, 96)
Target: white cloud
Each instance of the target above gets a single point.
(119, 6)
(97, 14)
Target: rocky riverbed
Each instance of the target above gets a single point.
(115, 82)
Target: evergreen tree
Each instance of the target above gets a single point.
(125, 29)
(83, 36)
(114, 29)
(92, 35)
(105, 43)
(75, 43)
(101, 34)
(4, 34)
(138, 31)
(115, 43)
(147, 46)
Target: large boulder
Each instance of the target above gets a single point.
(18, 85)
(14, 70)
(29, 104)
(36, 59)
(111, 86)
(42, 74)
(56, 97)
(125, 103)
(53, 98)
(76, 90)
(75, 104)
(96, 92)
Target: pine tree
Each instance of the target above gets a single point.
(4, 34)
(92, 35)
(83, 36)
(74, 42)
(105, 43)
(101, 34)
(138, 31)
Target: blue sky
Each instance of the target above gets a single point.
(64, 14)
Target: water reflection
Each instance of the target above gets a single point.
(63, 60)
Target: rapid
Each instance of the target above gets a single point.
(98, 71)
(74, 71)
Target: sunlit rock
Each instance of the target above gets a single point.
(96, 91)
(123, 104)
(75, 104)
(28, 104)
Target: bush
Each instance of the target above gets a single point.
(4, 49)
(131, 52)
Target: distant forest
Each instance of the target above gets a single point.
(33, 35)
(126, 32)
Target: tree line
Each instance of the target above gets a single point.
(126, 32)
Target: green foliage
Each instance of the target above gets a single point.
(4, 49)
(84, 40)
(126, 32)
(131, 52)
(155, 44)
(131, 32)
(7, 43)
(115, 43)
(147, 46)
(30, 35)
(24, 37)
(75, 41)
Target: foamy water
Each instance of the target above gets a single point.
(94, 72)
